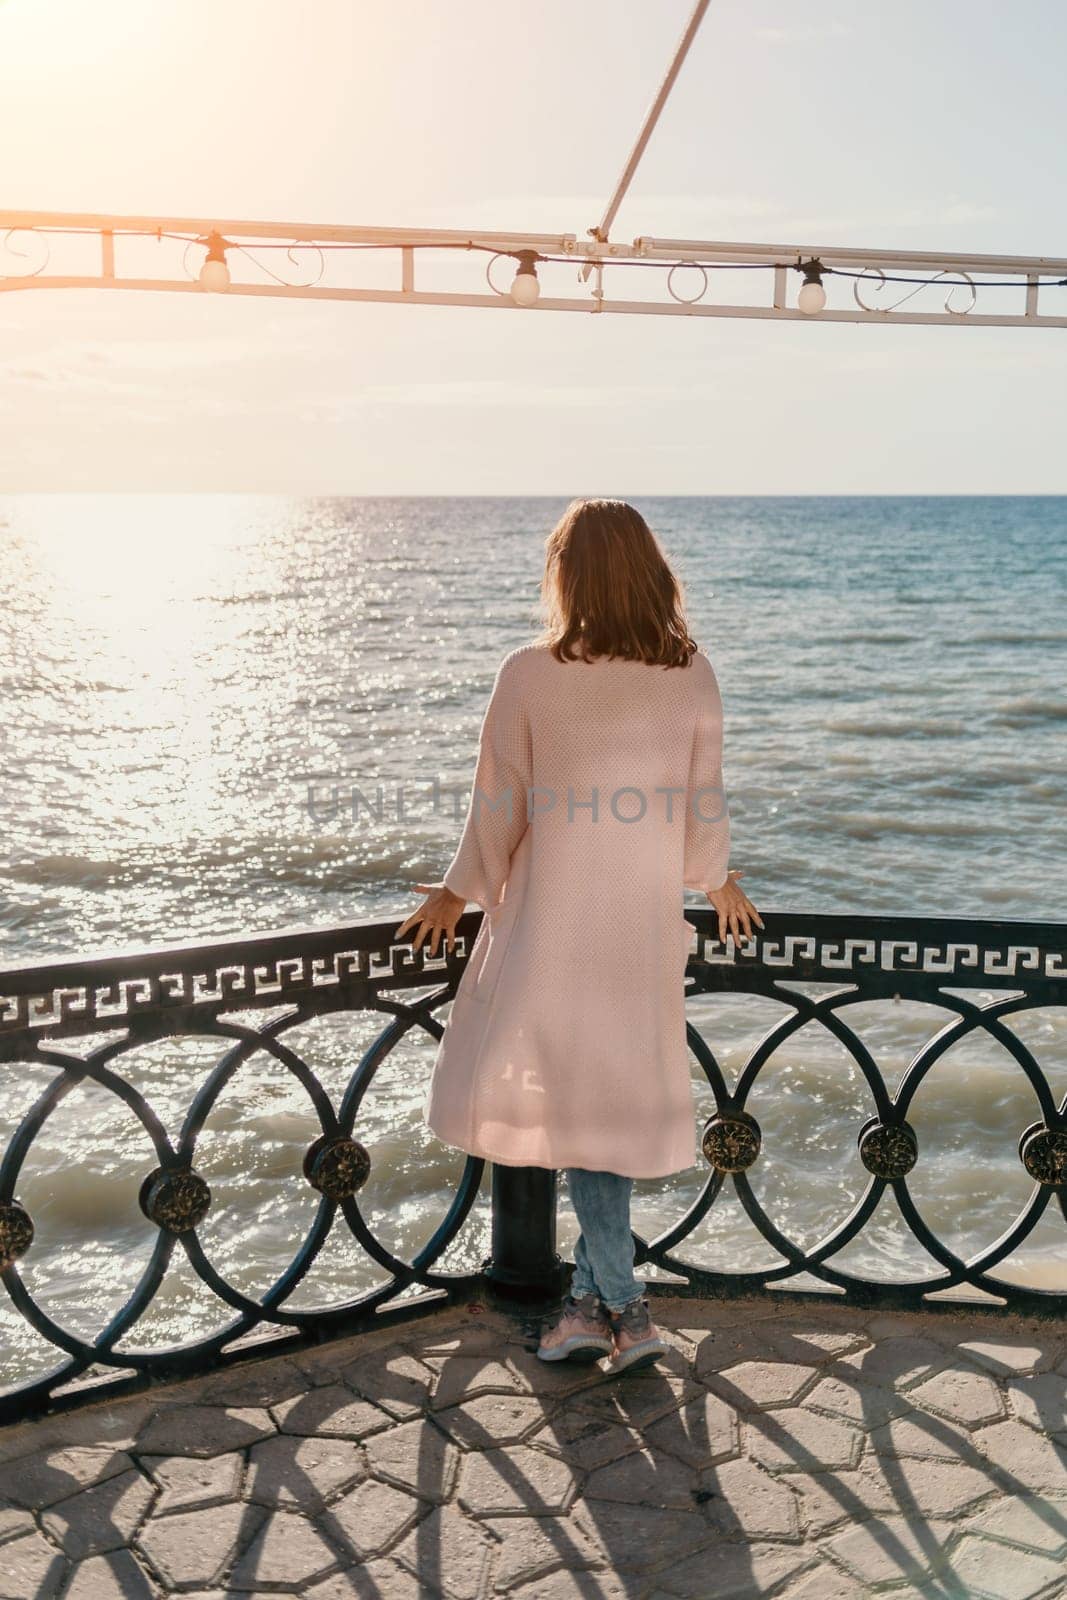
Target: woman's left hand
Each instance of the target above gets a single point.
(438, 914)
(735, 910)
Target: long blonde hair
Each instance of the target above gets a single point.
(608, 589)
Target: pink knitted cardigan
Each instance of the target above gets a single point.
(597, 794)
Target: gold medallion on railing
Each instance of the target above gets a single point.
(337, 1166)
(732, 1141)
(175, 1198)
(16, 1232)
(888, 1149)
(1043, 1152)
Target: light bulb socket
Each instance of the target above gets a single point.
(216, 248)
(812, 270)
(527, 267)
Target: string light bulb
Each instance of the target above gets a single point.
(812, 297)
(525, 288)
(215, 274)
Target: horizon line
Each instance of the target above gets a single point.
(544, 494)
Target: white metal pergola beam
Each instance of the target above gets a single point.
(289, 232)
(695, 262)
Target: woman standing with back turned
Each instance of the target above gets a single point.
(597, 796)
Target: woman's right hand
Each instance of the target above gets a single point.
(735, 910)
(437, 916)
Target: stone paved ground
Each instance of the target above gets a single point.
(824, 1454)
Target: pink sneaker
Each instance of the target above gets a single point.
(581, 1332)
(637, 1340)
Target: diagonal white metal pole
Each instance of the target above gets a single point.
(603, 227)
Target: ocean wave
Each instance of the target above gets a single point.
(255, 598)
(974, 784)
(900, 728)
(1004, 637)
(1030, 708)
(72, 871)
(15, 915)
(861, 637)
(872, 824)
(326, 864)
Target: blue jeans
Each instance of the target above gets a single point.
(604, 1250)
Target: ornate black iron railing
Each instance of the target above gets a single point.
(115, 1004)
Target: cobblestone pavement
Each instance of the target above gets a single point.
(824, 1454)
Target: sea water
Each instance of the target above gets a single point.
(224, 715)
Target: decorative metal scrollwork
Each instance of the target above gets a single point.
(193, 255)
(888, 1149)
(16, 1232)
(877, 272)
(337, 1166)
(291, 257)
(42, 254)
(1043, 1152)
(489, 265)
(731, 1141)
(175, 1198)
(687, 266)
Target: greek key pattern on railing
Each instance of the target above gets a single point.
(113, 1004)
(833, 957)
(77, 997)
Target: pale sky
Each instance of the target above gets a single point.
(924, 124)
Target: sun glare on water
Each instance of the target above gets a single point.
(123, 605)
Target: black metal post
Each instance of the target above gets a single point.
(524, 1260)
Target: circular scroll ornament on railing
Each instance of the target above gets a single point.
(732, 1141)
(16, 1232)
(1043, 1152)
(175, 1198)
(888, 1149)
(337, 1166)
